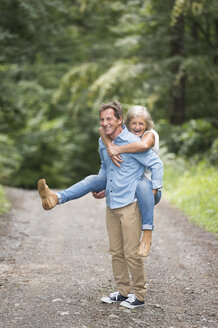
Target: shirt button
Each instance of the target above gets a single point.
(110, 180)
(110, 190)
(111, 169)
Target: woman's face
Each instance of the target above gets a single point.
(137, 125)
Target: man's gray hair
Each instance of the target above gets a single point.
(136, 111)
(115, 105)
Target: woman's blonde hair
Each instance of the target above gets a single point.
(136, 111)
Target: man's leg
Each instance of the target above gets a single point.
(119, 265)
(131, 232)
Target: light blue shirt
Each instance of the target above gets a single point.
(122, 182)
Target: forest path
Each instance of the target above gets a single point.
(55, 266)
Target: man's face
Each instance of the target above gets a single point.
(111, 125)
(137, 126)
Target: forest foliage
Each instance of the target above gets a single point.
(60, 59)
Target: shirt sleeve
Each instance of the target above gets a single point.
(150, 160)
(103, 170)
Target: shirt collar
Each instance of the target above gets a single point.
(122, 134)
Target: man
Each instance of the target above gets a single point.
(122, 213)
(122, 216)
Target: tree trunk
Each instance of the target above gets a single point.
(177, 113)
(216, 42)
(177, 109)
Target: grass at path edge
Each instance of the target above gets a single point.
(4, 203)
(193, 189)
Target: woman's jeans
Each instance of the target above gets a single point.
(95, 183)
(146, 202)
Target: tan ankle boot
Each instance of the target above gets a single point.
(145, 245)
(48, 197)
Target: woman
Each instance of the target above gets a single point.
(139, 122)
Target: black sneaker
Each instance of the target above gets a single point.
(132, 302)
(115, 297)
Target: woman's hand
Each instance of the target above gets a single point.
(116, 160)
(113, 150)
(114, 153)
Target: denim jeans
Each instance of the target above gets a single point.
(146, 202)
(144, 194)
(91, 183)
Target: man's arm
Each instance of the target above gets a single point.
(103, 169)
(103, 173)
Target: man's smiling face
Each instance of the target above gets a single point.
(137, 126)
(111, 125)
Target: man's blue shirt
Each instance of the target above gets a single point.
(122, 182)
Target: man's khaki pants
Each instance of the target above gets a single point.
(124, 230)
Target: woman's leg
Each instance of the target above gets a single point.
(50, 199)
(145, 198)
(91, 183)
(146, 202)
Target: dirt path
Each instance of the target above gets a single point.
(54, 268)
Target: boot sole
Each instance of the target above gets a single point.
(42, 188)
(129, 306)
(43, 193)
(109, 301)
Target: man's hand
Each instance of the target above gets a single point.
(99, 195)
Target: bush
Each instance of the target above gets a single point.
(10, 159)
(195, 138)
